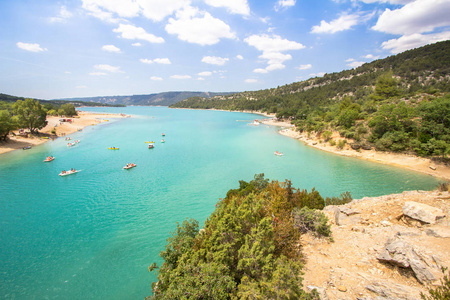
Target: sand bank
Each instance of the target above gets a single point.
(83, 120)
(410, 162)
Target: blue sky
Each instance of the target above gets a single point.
(80, 48)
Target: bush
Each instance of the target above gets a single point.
(341, 144)
(332, 142)
(344, 198)
(440, 292)
(313, 221)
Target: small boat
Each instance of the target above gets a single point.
(151, 146)
(49, 158)
(44, 137)
(113, 148)
(129, 166)
(70, 172)
(68, 138)
(278, 153)
(163, 134)
(163, 141)
(26, 148)
(70, 144)
(255, 123)
(150, 142)
(76, 141)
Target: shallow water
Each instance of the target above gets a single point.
(93, 234)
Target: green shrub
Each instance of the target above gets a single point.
(341, 144)
(441, 292)
(313, 221)
(344, 198)
(332, 142)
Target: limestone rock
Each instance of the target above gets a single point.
(400, 253)
(422, 212)
(322, 291)
(393, 291)
(443, 232)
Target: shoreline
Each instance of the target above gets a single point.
(83, 120)
(409, 162)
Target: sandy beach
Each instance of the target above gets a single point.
(410, 162)
(62, 129)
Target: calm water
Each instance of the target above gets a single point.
(92, 235)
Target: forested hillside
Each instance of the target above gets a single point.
(400, 103)
(162, 99)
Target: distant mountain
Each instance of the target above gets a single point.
(161, 99)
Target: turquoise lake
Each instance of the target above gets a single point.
(93, 234)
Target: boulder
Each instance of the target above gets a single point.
(402, 254)
(389, 290)
(422, 212)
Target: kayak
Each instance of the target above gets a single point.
(113, 148)
(150, 146)
(150, 142)
(278, 153)
(69, 172)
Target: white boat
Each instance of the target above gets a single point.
(70, 172)
(278, 153)
(129, 166)
(49, 158)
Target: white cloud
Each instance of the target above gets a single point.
(98, 74)
(305, 67)
(146, 61)
(206, 73)
(371, 56)
(198, 27)
(284, 3)
(388, 1)
(412, 41)
(155, 10)
(136, 44)
(251, 80)
(273, 43)
(108, 68)
(320, 74)
(156, 78)
(180, 76)
(272, 48)
(215, 60)
(81, 87)
(261, 71)
(200, 78)
(344, 22)
(137, 33)
(416, 17)
(355, 64)
(234, 6)
(63, 15)
(30, 47)
(164, 61)
(239, 57)
(111, 48)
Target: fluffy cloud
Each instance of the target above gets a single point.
(239, 57)
(214, 60)
(354, 64)
(261, 71)
(156, 78)
(180, 76)
(155, 10)
(234, 6)
(98, 74)
(206, 73)
(63, 15)
(412, 41)
(344, 22)
(305, 67)
(198, 27)
(416, 17)
(164, 61)
(109, 68)
(284, 3)
(111, 48)
(251, 80)
(136, 44)
(137, 33)
(30, 47)
(371, 56)
(272, 48)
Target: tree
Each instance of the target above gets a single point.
(30, 114)
(68, 110)
(7, 123)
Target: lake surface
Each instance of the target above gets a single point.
(93, 234)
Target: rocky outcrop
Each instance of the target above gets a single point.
(378, 252)
(422, 212)
(400, 253)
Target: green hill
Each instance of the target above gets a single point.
(400, 103)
